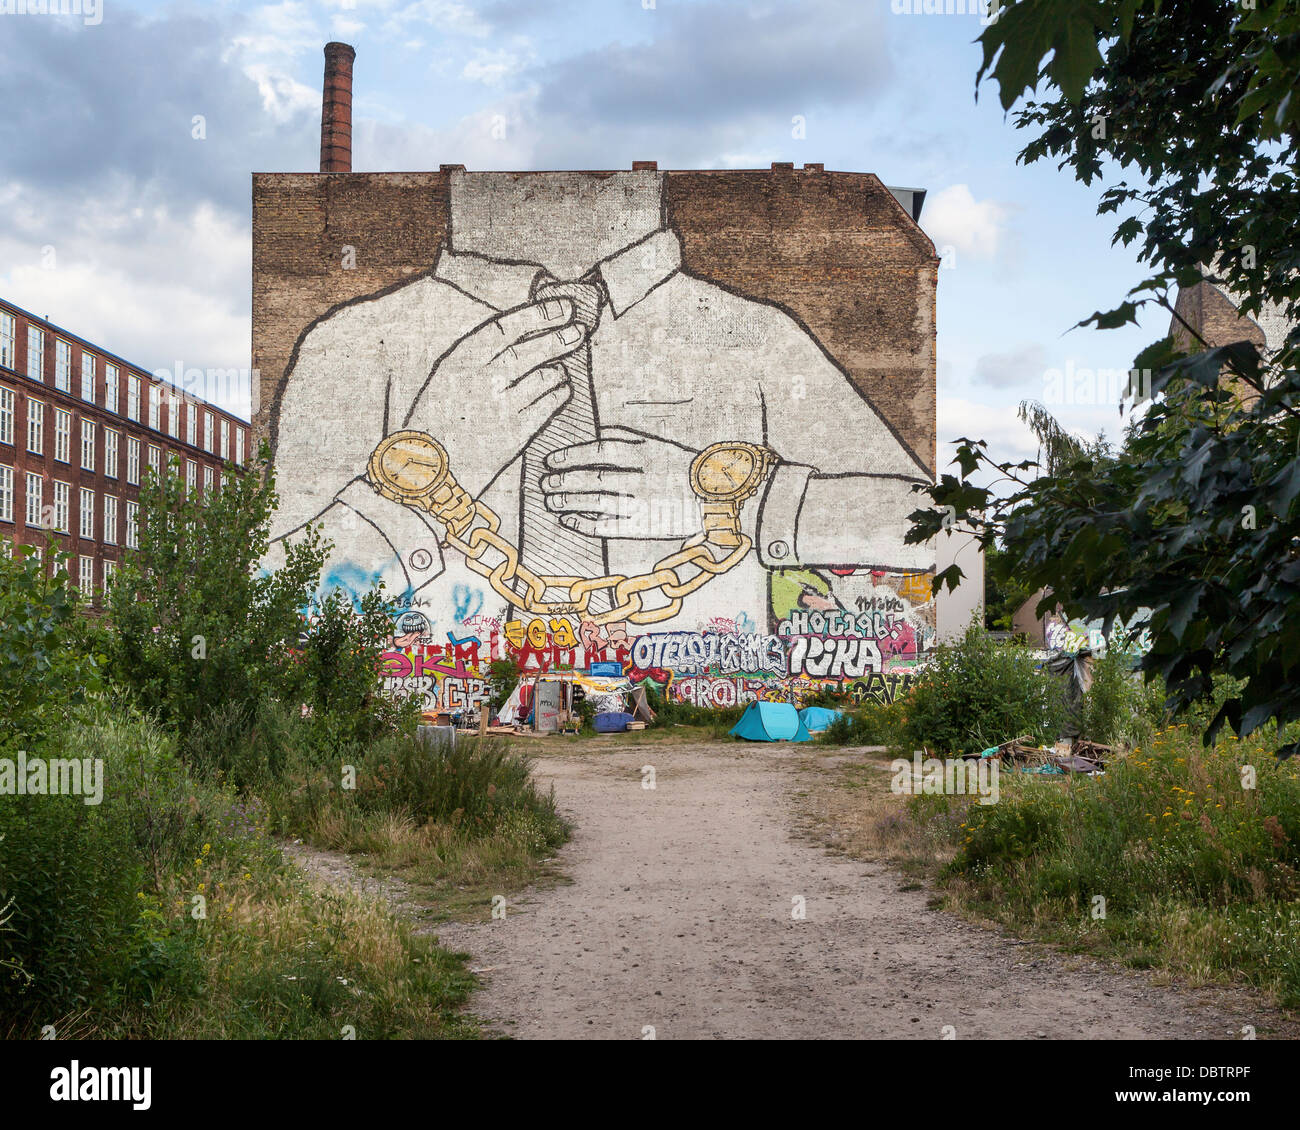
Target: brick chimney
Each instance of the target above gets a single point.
(336, 110)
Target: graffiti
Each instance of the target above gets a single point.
(883, 687)
(1075, 635)
(723, 653)
(639, 428)
(833, 658)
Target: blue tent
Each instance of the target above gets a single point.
(771, 722)
(817, 718)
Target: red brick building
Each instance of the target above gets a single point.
(79, 427)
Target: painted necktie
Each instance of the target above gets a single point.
(545, 545)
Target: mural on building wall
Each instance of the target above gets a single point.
(559, 444)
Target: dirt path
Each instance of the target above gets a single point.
(679, 918)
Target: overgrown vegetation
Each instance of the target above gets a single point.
(235, 708)
(1195, 518)
(1195, 852)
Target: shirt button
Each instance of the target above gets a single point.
(778, 549)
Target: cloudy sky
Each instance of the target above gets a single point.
(128, 145)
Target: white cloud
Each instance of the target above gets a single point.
(1016, 368)
(954, 218)
(1008, 437)
(491, 67)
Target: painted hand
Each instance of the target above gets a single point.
(625, 485)
(497, 387)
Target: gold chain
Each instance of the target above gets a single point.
(518, 584)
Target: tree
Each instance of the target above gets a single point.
(195, 623)
(1196, 518)
(45, 670)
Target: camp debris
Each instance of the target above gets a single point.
(771, 722)
(1021, 755)
(817, 718)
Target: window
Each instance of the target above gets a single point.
(132, 397)
(239, 446)
(86, 514)
(88, 376)
(87, 445)
(155, 459)
(109, 566)
(191, 476)
(62, 365)
(35, 353)
(35, 426)
(111, 381)
(7, 351)
(132, 460)
(110, 525)
(207, 480)
(62, 435)
(132, 533)
(155, 408)
(6, 415)
(62, 496)
(35, 496)
(110, 453)
(207, 431)
(87, 578)
(38, 552)
(224, 451)
(173, 415)
(6, 494)
(191, 422)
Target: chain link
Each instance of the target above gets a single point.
(518, 584)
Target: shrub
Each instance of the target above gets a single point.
(871, 723)
(338, 667)
(1119, 707)
(476, 786)
(719, 719)
(45, 669)
(194, 622)
(976, 693)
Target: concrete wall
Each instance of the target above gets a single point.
(788, 309)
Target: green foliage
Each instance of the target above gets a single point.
(1169, 837)
(870, 724)
(976, 693)
(718, 720)
(339, 671)
(1198, 517)
(1119, 708)
(476, 786)
(195, 622)
(1004, 591)
(502, 677)
(45, 667)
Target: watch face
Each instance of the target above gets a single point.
(409, 463)
(725, 471)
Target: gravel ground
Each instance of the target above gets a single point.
(697, 910)
(681, 918)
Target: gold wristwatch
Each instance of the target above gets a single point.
(411, 468)
(723, 476)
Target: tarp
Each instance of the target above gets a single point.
(817, 718)
(640, 707)
(771, 722)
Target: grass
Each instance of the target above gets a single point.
(169, 912)
(457, 824)
(1200, 876)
